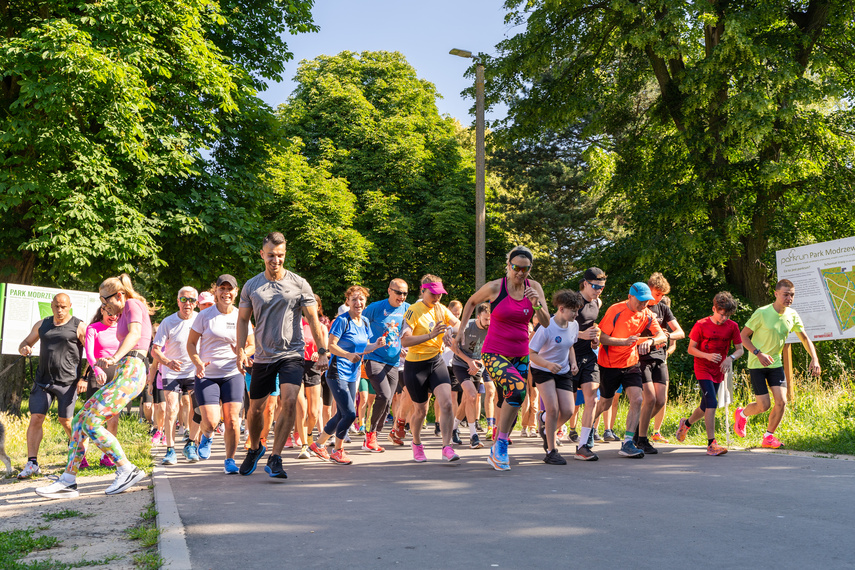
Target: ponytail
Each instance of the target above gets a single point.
(122, 283)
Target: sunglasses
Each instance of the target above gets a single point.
(187, 299)
(104, 299)
(396, 292)
(520, 268)
(596, 287)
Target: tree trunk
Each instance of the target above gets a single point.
(747, 272)
(12, 383)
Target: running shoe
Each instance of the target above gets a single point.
(608, 435)
(340, 456)
(771, 442)
(221, 428)
(58, 490)
(289, 443)
(436, 430)
(125, 480)
(455, 437)
(250, 462)
(596, 435)
(682, 430)
(716, 449)
(298, 442)
(554, 458)
(187, 435)
(657, 437)
(346, 438)
(647, 448)
(393, 437)
(319, 451)
(84, 464)
(370, 443)
(400, 429)
(739, 422)
(493, 436)
(628, 449)
(304, 453)
(419, 453)
(156, 436)
(573, 435)
(205, 447)
(107, 461)
(170, 458)
(190, 453)
(29, 470)
(498, 456)
(475, 442)
(584, 453)
(242, 428)
(230, 467)
(448, 454)
(361, 430)
(541, 430)
(274, 467)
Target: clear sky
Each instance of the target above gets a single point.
(423, 31)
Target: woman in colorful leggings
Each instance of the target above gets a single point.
(133, 330)
(513, 300)
(101, 341)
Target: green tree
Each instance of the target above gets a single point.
(718, 131)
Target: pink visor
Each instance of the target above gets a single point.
(435, 288)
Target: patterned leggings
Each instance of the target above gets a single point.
(509, 374)
(104, 404)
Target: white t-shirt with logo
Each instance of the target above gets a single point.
(171, 337)
(217, 342)
(553, 344)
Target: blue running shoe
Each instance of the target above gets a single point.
(205, 447)
(493, 458)
(251, 460)
(170, 458)
(230, 467)
(502, 451)
(190, 453)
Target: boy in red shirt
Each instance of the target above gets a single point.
(709, 342)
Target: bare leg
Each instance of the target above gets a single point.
(35, 433)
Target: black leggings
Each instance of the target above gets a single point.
(384, 380)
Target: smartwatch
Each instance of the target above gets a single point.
(322, 351)
(755, 352)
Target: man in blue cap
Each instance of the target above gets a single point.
(620, 333)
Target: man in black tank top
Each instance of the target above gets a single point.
(57, 376)
(588, 378)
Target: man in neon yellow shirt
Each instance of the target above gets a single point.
(764, 337)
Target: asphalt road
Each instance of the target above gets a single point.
(680, 508)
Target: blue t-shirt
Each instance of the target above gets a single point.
(388, 320)
(352, 337)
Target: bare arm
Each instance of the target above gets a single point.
(26, 346)
(318, 333)
(487, 292)
(134, 334)
(535, 294)
(608, 340)
(815, 368)
(244, 314)
(764, 358)
(192, 342)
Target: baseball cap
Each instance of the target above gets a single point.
(641, 291)
(435, 288)
(206, 297)
(594, 274)
(226, 278)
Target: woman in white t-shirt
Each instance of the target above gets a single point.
(217, 377)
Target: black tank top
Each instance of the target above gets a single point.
(586, 318)
(59, 352)
(663, 316)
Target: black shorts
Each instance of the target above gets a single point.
(311, 373)
(562, 381)
(92, 380)
(400, 388)
(263, 383)
(460, 375)
(589, 371)
(42, 396)
(655, 371)
(761, 377)
(157, 395)
(422, 378)
(614, 378)
(212, 391)
(183, 385)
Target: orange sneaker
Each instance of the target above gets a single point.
(682, 430)
(340, 456)
(658, 437)
(319, 451)
(370, 443)
(716, 449)
(771, 442)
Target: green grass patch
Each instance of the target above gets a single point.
(64, 514)
(147, 534)
(148, 561)
(17, 544)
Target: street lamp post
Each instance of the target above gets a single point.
(480, 207)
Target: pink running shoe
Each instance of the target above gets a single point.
(289, 443)
(84, 464)
(771, 442)
(739, 422)
(107, 461)
(419, 453)
(682, 430)
(156, 437)
(448, 454)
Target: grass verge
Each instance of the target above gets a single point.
(147, 534)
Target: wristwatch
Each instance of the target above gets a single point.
(755, 352)
(322, 351)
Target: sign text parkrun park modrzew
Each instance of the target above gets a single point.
(824, 277)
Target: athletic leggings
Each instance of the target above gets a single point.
(509, 374)
(104, 404)
(709, 393)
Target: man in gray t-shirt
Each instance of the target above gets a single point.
(277, 299)
(467, 369)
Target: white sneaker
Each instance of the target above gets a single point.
(58, 490)
(29, 470)
(125, 480)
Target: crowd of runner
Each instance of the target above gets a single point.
(264, 357)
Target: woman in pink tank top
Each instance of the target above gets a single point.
(514, 301)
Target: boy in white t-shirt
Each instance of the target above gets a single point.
(553, 365)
